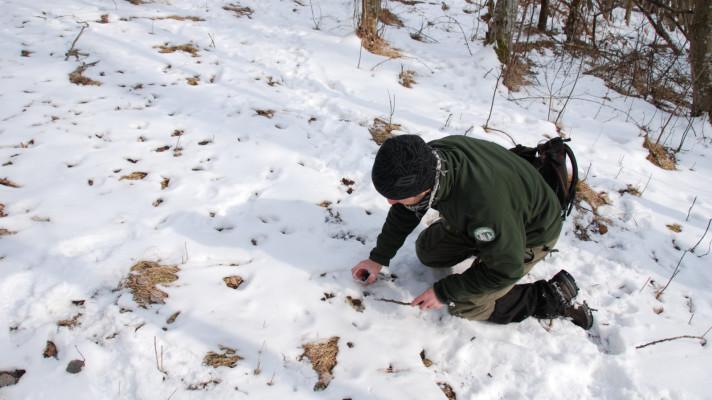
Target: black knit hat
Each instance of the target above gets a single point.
(404, 167)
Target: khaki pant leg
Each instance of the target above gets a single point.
(480, 307)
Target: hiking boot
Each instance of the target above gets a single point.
(565, 287)
(579, 315)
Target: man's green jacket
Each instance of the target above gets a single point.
(494, 198)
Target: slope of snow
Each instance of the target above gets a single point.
(246, 196)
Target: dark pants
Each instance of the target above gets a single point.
(438, 247)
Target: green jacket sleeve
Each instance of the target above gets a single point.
(501, 261)
(399, 224)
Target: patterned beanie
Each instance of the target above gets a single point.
(404, 167)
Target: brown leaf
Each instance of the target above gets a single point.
(425, 360)
(134, 176)
(50, 350)
(233, 281)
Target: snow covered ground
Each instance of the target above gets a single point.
(256, 154)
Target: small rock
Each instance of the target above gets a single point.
(75, 366)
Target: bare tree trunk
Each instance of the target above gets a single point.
(501, 28)
(543, 15)
(572, 21)
(368, 26)
(701, 58)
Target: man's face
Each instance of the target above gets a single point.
(409, 201)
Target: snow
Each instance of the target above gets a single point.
(246, 197)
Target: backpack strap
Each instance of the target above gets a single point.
(571, 195)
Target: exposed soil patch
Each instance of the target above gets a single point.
(659, 155)
(356, 304)
(239, 10)
(144, 277)
(631, 190)
(323, 359)
(134, 176)
(233, 282)
(186, 48)
(228, 358)
(265, 113)
(381, 130)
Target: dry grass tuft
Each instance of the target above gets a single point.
(165, 182)
(406, 78)
(8, 183)
(6, 232)
(233, 281)
(516, 75)
(194, 80)
(323, 359)
(659, 155)
(186, 48)
(674, 227)
(77, 77)
(357, 304)
(447, 389)
(134, 176)
(265, 113)
(376, 45)
(595, 199)
(239, 10)
(2, 211)
(70, 323)
(228, 358)
(382, 130)
(388, 18)
(144, 277)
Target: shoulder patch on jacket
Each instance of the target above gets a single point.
(484, 234)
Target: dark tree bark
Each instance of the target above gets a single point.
(701, 58)
(543, 15)
(571, 28)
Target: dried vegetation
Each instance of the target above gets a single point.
(323, 359)
(228, 358)
(186, 48)
(659, 155)
(239, 10)
(143, 279)
(381, 130)
(233, 282)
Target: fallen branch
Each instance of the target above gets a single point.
(72, 51)
(701, 338)
(402, 303)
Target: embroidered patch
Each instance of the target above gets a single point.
(484, 234)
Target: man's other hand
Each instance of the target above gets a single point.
(427, 301)
(366, 271)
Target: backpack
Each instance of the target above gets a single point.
(549, 158)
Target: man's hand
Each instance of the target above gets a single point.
(427, 301)
(366, 271)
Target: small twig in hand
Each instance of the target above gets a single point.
(72, 51)
(690, 210)
(402, 303)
